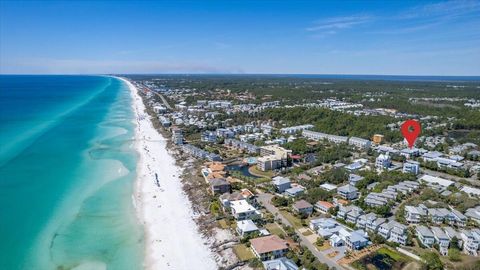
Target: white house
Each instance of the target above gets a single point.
(394, 232)
(425, 235)
(415, 214)
(242, 210)
(359, 142)
(246, 227)
(411, 167)
(383, 161)
(441, 239)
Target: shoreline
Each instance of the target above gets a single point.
(163, 209)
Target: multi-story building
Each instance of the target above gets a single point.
(242, 210)
(209, 136)
(177, 136)
(394, 232)
(348, 192)
(425, 235)
(272, 157)
(359, 142)
(269, 247)
(383, 161)
(295, 129)
(411, 166)
(281, 183)
(415, 214)
(378, 138)
(441, 239)
(471, 240)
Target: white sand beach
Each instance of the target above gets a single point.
(171, 236)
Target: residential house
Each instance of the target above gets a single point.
(323, 206)
(344, 210)
(242, 210)
(322, 224)
(348, 192)
(383, 161)
(354, 214)
(363, 220)
(373, 225)
(280, 264)
(281, 183)
(374, 199)
(356, 240)
(393, 231)
(425, 235)
(227, 198)
(294, 191)
(303, 207)
(355, 166)
(269, 247)
(328, 187)
(411, 166)
(441, 239)
(219, 186)
(359, 142)
(246, 227)
(177, 136)
(457, 218)
(438, 215)
(353, 179)
(471, 241)
(415, 214)
(452, 233)
(474, 214)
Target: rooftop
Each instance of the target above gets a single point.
(268, 244)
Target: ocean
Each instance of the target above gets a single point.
(67, 172)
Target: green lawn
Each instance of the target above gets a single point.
(296, 223)
(253, 170)
(243, 252)
(307, 233)
(274, 229)
(391, 253)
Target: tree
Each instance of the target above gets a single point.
(279, 201)
(432, 261)
(454, 255)
(320, 241)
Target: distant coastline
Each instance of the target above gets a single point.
(359, 77)
(403, 78)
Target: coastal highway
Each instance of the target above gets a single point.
(264, 199)
(161, 96)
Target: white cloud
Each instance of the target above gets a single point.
(336, 23)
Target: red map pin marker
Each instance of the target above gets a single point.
(410, 130)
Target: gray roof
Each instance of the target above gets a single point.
(424, 231)
(347, 188)
(439, 233)
(280, 264)
(279, 180)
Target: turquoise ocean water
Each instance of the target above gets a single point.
(67, 171)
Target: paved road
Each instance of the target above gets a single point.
(264, 199)
(162, 97)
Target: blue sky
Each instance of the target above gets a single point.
(314, 37)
